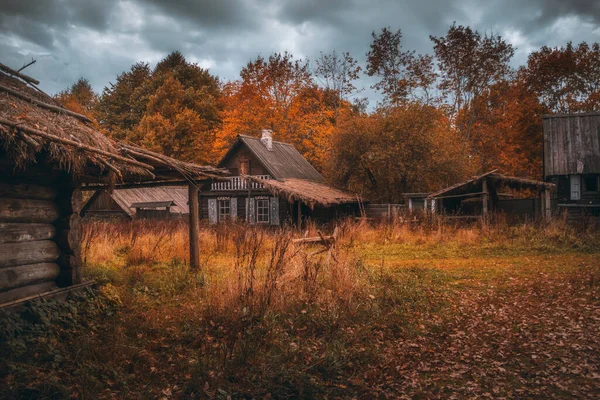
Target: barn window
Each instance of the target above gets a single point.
(590, 183)
(575, 187)
(224, 209)
(262, 211)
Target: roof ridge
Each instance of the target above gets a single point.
(274, 141)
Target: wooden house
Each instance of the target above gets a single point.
(572, 161)
(271, 184)
(490, 193)
(47, 154)
(159, 202)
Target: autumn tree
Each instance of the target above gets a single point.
(508, 134)
(80, 98)
(278, 93)
(173, 109)
(120, 107)
(566, 79)
(402, 74)
(337, 74)
(394, 150)
(469, 64)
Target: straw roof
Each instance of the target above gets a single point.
(511, 181)
(308, 192)
(34, 127)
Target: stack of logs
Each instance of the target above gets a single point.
(40, 233)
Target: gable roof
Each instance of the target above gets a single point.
(283, 162)
(126, 198)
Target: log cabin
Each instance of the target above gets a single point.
(572, 162)
(47, 155)
(160, 202)
(272, 184)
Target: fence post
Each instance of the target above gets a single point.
(194, 227)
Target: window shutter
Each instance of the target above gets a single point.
(233, 207)
(212, 211)
(274, 210)
(251, 210)
(575, 187)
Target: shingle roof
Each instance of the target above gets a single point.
(283, 162)
(125, 198)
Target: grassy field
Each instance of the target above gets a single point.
(393, 311)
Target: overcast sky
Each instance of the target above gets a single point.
(100, 39)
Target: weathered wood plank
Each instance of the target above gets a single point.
(24, 275)
(26, 191)
(194, 227)
(28, 210)
(25, 291)
(547, 148)
(24, 253)
(23, 232)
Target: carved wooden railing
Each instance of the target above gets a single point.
(238, 183)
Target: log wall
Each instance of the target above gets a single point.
(39, 235)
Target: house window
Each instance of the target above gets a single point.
(575, 187)
(262, 211)
(590, 183)
(244, 167)
(224, 209)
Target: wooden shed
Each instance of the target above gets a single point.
(47, 154)
(572, 161)
(159, 202)
(483, 194)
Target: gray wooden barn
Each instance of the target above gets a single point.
(47, 155)
(572, 161)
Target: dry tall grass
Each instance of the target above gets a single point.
(266, 317)
(249, 270)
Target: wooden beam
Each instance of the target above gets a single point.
(56, 109)
(11, 71)
(485, 197)
(194, 227)
(299, 215)
(455, 196)
(547, 205)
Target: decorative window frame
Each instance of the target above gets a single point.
(263, 205)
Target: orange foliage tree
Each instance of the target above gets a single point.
(397, 150)
(278, 94)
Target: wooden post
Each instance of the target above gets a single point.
(410, 206)
(485, 197)
(299, 215)
(547, 205)
(194, 227)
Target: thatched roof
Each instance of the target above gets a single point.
(308, 192)
(512, 182)
(36, 128)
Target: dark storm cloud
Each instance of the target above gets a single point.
(100, 39)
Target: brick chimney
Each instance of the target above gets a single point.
(267, 139)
